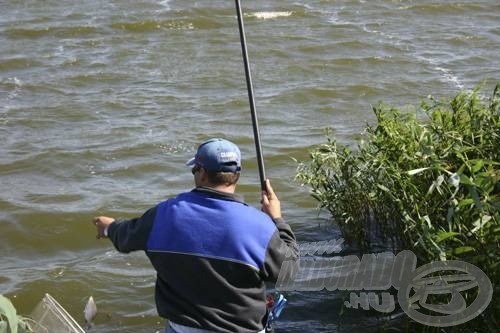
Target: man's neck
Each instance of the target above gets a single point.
(213, 191)
(223, 188)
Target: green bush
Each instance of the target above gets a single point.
(430, 186)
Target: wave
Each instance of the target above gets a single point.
(165, 4)
(196, 22)
(17, 63)
(152, 25)
(444, 7)
(445, 73)
(270, 15)
(50, 31)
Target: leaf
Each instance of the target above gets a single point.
(3, 327)
(454, 180)
(25, 325)
(428, 220)
(415, 171)
(481, 222)
(449, 216)
(383, 188)
(9, 312)
(465, 202)
(466, 180)
(436, 184)
(463, 249)
(478, 164)
(439, 180)
(431, 188)
(475, 196)
(443, 235)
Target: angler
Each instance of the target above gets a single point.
(212, 252)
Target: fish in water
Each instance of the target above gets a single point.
(89, 312)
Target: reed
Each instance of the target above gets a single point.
(425, 181)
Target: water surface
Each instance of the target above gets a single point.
(102, 102)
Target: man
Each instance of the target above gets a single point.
(212, 252)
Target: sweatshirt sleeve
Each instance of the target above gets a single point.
(132, 235)
(281, 251)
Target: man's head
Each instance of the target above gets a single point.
(217, 163)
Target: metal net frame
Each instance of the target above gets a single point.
(50, 317)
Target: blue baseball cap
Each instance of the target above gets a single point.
(217, 155)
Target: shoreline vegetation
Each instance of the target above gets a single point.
(10, 321)
(426, 181)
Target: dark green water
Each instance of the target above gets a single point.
(102, 102)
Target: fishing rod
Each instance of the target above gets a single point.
(255, 123)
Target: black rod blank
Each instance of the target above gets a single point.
(255, 123)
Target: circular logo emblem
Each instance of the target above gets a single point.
(455, 276)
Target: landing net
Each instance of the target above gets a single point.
(51, 317)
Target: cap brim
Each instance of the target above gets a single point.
(190, 162)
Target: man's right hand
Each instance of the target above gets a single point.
(270, 203)
(101, 223)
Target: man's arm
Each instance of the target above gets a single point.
(282, 255)
(283, 246)
(126, 235)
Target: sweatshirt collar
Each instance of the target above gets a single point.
(219, 194)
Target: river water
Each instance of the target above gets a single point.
(102, 102)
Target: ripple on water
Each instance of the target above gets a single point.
(57, 31)
(153, 25)
(17, 63)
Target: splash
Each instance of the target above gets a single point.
(270, 15)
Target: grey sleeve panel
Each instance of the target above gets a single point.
(132, 235)
(282, 247)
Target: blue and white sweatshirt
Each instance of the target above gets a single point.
(213, 255)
